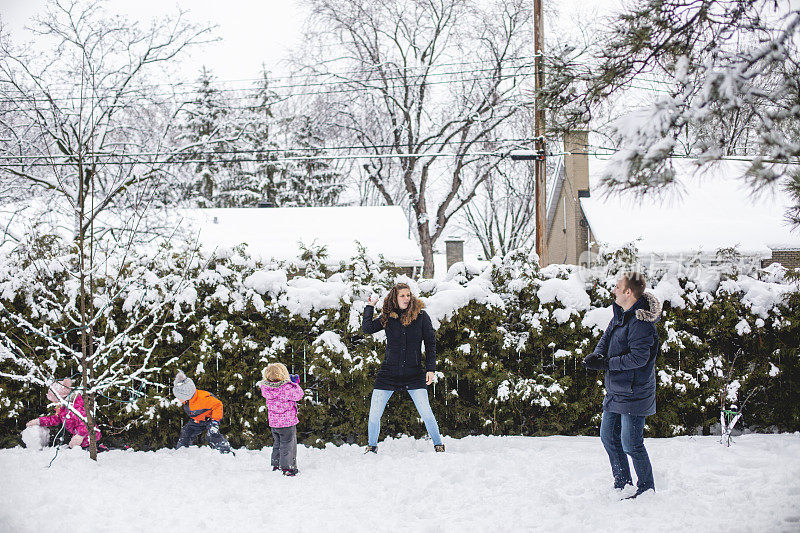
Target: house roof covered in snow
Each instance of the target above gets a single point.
(706, 211)
(276, 232)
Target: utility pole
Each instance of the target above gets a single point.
(540, 170)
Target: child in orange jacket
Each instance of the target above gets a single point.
(204, 410)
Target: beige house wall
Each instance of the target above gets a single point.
(557, 238)
(568, 237)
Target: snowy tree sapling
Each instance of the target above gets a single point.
(86, 149)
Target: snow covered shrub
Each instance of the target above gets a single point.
(510, 340)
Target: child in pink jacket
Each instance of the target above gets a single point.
(282, 393)
(58, 393)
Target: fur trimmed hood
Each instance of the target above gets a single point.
(653, 313)
(400, 313)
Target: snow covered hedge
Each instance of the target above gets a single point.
(510, 337)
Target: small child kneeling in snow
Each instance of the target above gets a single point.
(282, 393)
(59, 393)
(205, 413)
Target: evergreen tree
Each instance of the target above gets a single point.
(262, 179)
(313, 181)
(209, 133)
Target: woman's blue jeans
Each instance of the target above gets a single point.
(378, 403)
(621, 435)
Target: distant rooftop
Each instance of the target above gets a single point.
(707, 211)
(275, 232)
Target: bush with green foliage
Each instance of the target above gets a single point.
(510, 340)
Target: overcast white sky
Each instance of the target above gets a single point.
(256, 31)
(251, 31)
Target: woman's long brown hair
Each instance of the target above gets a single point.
(390, 308)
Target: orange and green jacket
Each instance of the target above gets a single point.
(203, 405)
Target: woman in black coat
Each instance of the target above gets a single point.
(407, 326)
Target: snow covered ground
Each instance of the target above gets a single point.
(480, 484)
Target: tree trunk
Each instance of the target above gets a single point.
(90, 397)
(90, 425)
(85, 356)
(85, 344)
(426, 245)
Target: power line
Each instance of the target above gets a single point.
(131, 102)
(605, 151)
(133, 92)
(111, 95)
(135, 96)
(599, 150)
(250, 151)
(138, 95)
(343, 74)
(278, 160)
(197, 157)
(346, 74)
(371, 156)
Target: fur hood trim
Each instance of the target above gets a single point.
(403, 312)
(276, 384)
(653, 313)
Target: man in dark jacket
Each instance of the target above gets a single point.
(627, 352)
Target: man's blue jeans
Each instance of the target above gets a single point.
(621, 435)
(378, 403)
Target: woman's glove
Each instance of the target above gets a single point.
(295, 378)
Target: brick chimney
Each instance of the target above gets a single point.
(454, 251)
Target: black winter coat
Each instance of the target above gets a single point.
(403, 367)
(630, 343)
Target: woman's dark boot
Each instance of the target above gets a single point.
(373, 449)
(439, 447)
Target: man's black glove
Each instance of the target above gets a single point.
(595, 361)
(213, 426)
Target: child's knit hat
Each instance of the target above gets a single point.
(62, 388)
(184, 387)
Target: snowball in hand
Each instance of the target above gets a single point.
(35, 437)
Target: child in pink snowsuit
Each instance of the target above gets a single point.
(59, 392)
(282, 393)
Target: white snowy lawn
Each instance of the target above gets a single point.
(479, 484)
